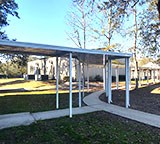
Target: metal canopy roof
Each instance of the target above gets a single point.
(84, 55)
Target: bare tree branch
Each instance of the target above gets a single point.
(158, 7)
(73, 40)
(135, 4)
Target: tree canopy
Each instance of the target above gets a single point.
(7, 7)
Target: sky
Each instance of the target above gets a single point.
(41, 21)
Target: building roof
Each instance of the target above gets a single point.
(150, 65)
(84, 55)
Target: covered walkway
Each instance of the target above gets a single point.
(84, 57)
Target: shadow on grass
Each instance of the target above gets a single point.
(141, 99)
(35, 103)
(13, 82)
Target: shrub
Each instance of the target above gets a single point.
(66, 79)
(98, 78)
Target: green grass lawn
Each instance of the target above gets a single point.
(92, 128)
(35, 103)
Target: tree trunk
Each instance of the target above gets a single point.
(158, 7)
(109, 27)
(84, 27)
(134, 49)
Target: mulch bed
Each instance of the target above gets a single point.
(141, 99)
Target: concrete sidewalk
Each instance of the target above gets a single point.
(12, 120)
(94, 102)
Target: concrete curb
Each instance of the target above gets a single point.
(18, 119)
(10, 120)
(61, 113)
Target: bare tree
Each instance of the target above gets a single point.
(135, 47)
(78, 20)
(108, 22)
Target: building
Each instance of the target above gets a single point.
(47, 68)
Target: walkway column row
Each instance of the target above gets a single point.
(117, 77)
(108, 81)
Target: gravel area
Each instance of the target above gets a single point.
(141, 99)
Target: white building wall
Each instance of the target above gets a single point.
(64, 68)
(51, 63)
(94, 71)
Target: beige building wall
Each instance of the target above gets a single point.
(50, 67)
(94, 71)
(64, 68)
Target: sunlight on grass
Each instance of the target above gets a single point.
(20, 83)
(41, 92)
(156, 91)
(48, 87)
(142, 82)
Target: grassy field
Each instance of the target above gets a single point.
(34, 100)
(31, 87)
(92, 128)
(21, 83)
(97, 127)
(35, 103)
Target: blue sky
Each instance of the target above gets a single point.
(41, 21)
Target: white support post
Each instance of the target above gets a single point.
(147, 77)
(83, 80)
(109, 80)
(139, 77)
(87, 78)
(159, 76)
(70, 85)
(130, 83)
(57, 81)
(127, 81)
(117, 77)
(154, 76)
(80, 99)
(104, 72)
(142, 75)
(106, 86)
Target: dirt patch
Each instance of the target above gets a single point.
(141, 99)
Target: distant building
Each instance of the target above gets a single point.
(48, 68)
